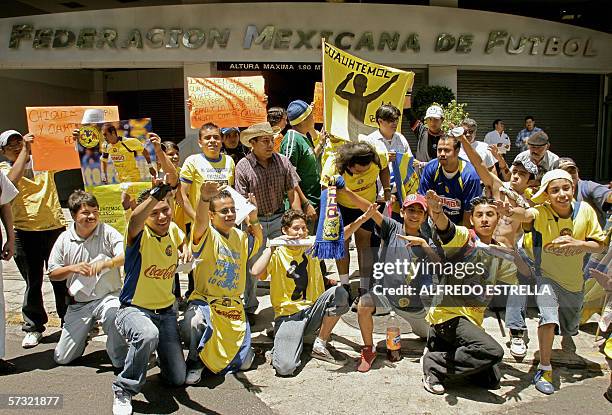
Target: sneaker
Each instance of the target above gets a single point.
(194, 373)
(567, 344)
(518, 348)
(433, 385)
(7, 368)
(122, 403)
(366, 359)
(31, 339)
(323, 353)
(543, 381)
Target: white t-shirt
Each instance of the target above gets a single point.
(398, 142)
(501, 141)
(483, 151)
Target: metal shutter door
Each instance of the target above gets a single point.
(565, 106)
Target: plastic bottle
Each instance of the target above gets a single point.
(394, 345)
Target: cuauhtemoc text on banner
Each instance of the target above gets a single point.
(355, 88)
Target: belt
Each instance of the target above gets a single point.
(154, 311)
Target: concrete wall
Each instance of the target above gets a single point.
(36, 88)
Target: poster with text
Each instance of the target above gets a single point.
(54, 147)
(227, 102)
(354, 89)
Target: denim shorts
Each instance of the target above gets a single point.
(559, 306)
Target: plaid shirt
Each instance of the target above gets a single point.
(269, 184)
(523, 135)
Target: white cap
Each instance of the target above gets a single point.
(538, 197)
(91, 116)
(4, 137)
(434, 111)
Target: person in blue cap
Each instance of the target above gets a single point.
(230, 137)
(302, 145)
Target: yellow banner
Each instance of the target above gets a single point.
(354, 89)
(110, 201)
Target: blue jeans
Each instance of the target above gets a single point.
(145, 332)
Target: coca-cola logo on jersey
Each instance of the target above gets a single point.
(160, 273)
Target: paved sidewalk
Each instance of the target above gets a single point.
(389, 387)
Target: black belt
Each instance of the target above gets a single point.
(154, 311)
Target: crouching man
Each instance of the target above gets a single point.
(457, 346)
(88, 256)
(300, 305)
(215, 325)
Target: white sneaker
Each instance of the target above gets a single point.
(518, 348)
(194, 376)
(31, 339)
(122, 403)
(432, 385)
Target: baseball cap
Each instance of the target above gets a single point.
(539, 138)
(565, 163)
(434, 111)
(528, 165)
(415, 198)
(4, 137)
(555, 174)
(228, 130)
(92, 116)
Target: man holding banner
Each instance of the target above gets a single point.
(298, 145)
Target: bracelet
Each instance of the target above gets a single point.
(386, 188)
(204, 200)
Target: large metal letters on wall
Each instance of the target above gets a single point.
(249, 32)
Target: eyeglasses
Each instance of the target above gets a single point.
(470, 132)
(226, 211)
(265, 141)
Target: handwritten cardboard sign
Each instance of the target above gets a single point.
(227, 102)
(54, 147)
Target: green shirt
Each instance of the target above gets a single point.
(300, 151)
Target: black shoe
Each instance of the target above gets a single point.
(7, 368)
(251, 318)
(488, 379)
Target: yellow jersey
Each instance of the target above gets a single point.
(447, 307)
(222, 272)
(363, 184)
(150, 264)
(37, 206)
(198, 169)
(123, 155)
(296, 280)
(562, 266)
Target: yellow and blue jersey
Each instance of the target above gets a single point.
(150, 264)
(456, 192)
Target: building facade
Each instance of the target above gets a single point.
(503, 66)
